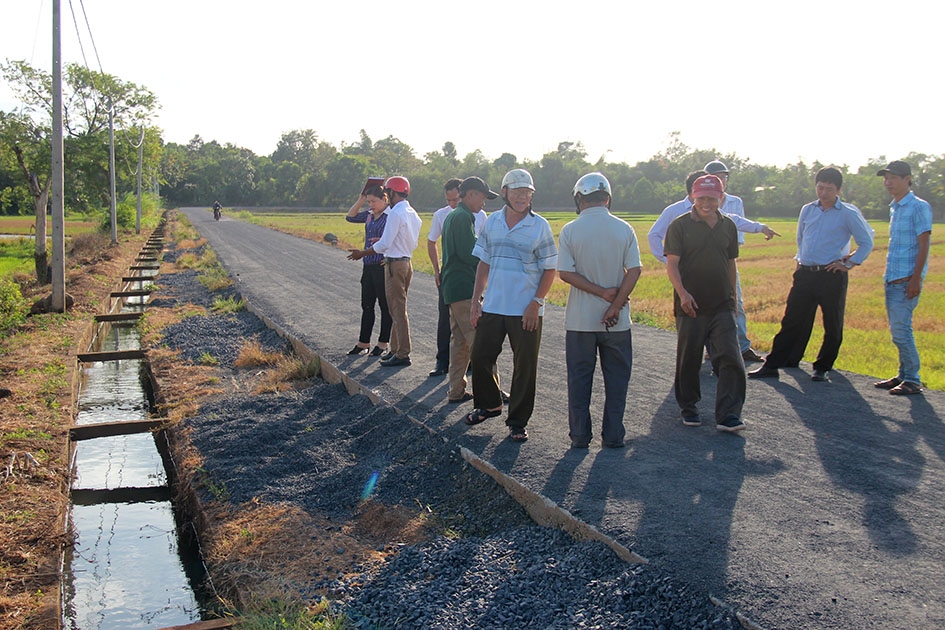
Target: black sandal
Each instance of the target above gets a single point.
(480, 415)
(358, 350)
(378, 351)
(518, 434)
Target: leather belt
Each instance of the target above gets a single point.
(900, 280)
(813, 267)
(396, 259)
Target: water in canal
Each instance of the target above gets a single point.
(129, 567)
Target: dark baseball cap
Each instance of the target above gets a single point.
(896, 167)
(476, 183)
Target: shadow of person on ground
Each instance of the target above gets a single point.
(869, 454)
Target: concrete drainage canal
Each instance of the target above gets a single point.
(134, 562)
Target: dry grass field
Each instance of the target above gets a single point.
(765, 268)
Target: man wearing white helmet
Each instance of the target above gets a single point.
(599, 257)
(517, 256)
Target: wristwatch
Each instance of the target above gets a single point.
(541, 301)
(848, 264)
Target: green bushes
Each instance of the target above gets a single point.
(13, 307)
(127, 209)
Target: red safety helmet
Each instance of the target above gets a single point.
(398, 184)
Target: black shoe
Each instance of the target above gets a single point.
(579, 444)
(764, 372)
(750, 356)
(691, 421)
(464, 398)
(358, 350)
(439, 371)
(819, 376)
(396, 362)
(730, 424)
(377, 351)
(612, 444)
(387, 356)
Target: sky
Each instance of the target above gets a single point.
(839, 81)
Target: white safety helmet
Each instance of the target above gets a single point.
(518, 178)
(592, 182)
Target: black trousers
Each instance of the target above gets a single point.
(372, 291)
(811, 289)
(487, 345)
(443, 332)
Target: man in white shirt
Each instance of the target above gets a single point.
(400, 238)
(599, 257)
(443, 332)
(734, 208)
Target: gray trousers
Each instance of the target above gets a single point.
(719, 331)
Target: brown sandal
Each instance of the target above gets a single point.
(905, 388)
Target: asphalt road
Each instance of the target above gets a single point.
(827, 512)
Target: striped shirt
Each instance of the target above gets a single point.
(373, 230)
(517, 258)
(908, 218)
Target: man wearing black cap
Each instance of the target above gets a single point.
(910, 231)
(734, 207)
(458, 277)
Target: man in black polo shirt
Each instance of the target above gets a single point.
(701, 247)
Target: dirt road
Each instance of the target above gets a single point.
(826, 513)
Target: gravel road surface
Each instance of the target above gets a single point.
(826, 513)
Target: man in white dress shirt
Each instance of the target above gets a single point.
(400, 238)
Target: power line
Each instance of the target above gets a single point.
(91, 38)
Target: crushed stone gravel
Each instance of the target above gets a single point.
(319, 448)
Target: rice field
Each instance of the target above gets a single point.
(765, 268)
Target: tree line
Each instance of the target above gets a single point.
(305, 171)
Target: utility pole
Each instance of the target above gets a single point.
(111, 169)
(57, 301)
(140, 161)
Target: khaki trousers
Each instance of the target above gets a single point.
(461, 341)
(397, 276)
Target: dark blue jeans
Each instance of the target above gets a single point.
(616, 360)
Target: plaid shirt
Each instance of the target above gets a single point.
(517, 258)
(908, 218)
(373, 230)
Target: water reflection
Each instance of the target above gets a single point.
(128, 567)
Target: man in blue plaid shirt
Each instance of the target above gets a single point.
(910, 231)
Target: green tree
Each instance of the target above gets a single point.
(88, 97)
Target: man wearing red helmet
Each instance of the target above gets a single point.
(397, 244)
